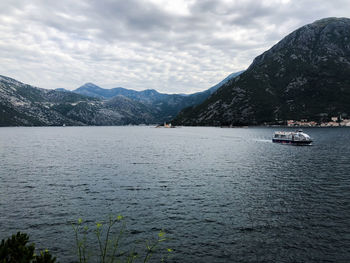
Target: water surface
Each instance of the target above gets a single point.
(222, 195)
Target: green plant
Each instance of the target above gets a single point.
(44, 257)
(108, 243)
(17, 250)
(151, 246)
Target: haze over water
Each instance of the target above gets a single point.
(222, 195)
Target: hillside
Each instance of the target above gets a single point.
(165, 106)
(25, 105)
(304, 76)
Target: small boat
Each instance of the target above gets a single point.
(165, 126)
(295, 138)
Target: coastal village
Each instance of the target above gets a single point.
(335, 122)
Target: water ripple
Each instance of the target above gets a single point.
(223, 195)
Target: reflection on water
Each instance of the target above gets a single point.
(223, 195)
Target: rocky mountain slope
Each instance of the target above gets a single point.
(22, 104)
(167, 106)
(304, 76)
(25, 105)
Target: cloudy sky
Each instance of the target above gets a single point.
(173, 46)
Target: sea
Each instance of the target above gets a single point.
(219, 194)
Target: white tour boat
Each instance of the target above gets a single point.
(296, 138)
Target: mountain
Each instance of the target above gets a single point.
(304, 76)
(92, 90)
(224, 81)
(22, 104)
(25, 105)
(165, 106)
(145, 96)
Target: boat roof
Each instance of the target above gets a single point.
(283, 132)
(289, 132)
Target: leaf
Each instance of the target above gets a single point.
(161, 233)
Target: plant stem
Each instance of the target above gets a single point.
(116, 244)
(76, 229)
(100, 244)
(111, 223)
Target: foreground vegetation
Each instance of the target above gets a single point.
(17, 250)
(105, 249)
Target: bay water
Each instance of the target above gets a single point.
(220, 194)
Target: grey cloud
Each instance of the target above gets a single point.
(138, 44)
(135, 14)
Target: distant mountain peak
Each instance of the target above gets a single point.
(89, 85)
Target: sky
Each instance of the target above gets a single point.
(173, 46)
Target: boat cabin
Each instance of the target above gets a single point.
(298, 137)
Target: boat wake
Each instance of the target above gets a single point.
(263, 140)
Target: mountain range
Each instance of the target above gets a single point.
(25, 105)
(304, 76)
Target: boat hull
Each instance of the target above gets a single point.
(283, 141)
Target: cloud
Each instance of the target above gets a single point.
(178, 46)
